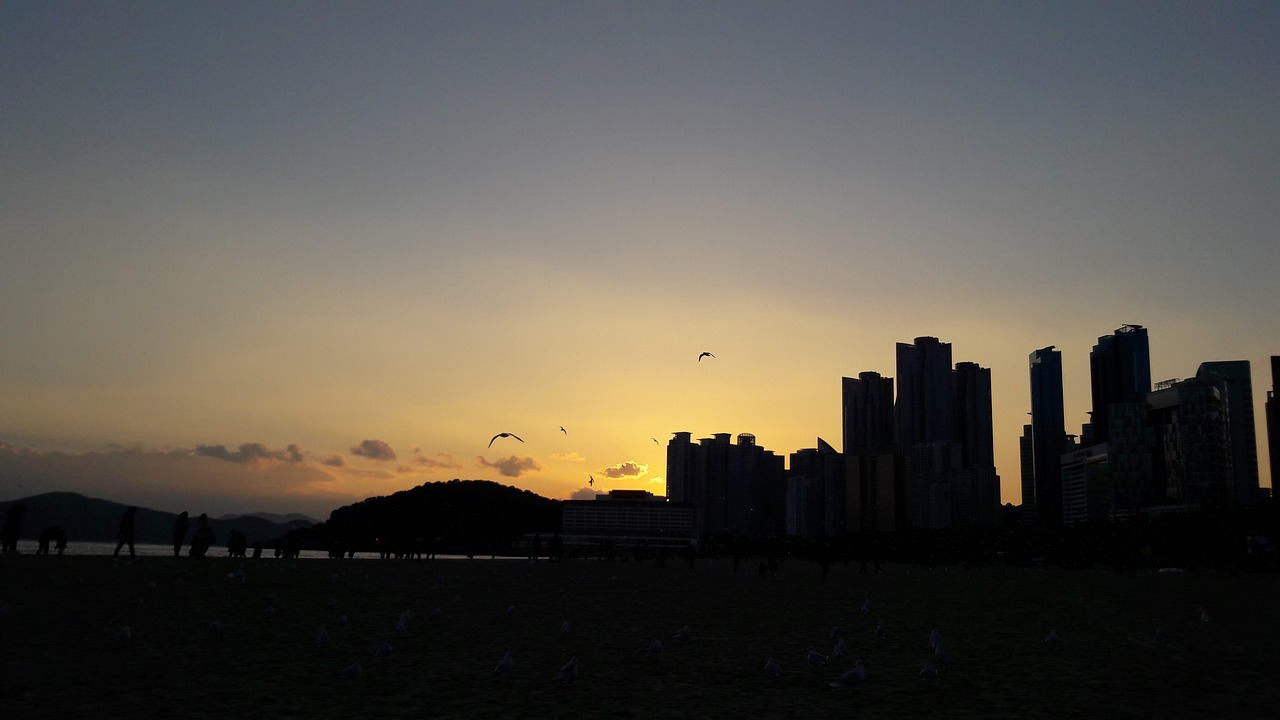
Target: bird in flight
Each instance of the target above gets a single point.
(591, 480)
(510, 435)
(705, 354)
(655, 440)
(566, 432)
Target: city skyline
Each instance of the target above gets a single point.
(263, 259)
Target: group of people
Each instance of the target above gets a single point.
(200, 541)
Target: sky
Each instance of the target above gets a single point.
(284, 256)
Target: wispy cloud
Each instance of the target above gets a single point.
(439, 461)
(585, 493)
(334, 461)
(567, 457)
(511, 466)
(628, 469)
(374, 450)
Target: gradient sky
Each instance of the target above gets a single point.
(248, 251)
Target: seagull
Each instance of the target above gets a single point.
(772, 668)
(655, 647)
(852, 677)
(504, 665)
(569, 671)
(816, 659)
(1052, 639)
(591, 480)
(565, 627)
(383, 650)
(322, 639)
(350, 671)
(841, 649)
(935, 638)
(402, 624)
(566, 432)
(705, 354)
(655, 440)
(125, 635)
(434, 614)
(928, 672)
(1204, 616)
(340, 620)
(504, 434)
(866, 607)
(881, 633)
(682, 633)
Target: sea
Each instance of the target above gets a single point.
(108, 549)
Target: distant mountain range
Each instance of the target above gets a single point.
(87, 519)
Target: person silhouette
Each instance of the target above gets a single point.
(203, 537)
(126, 531)
(179, 532)
(52, 534)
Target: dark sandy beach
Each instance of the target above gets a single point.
(62, 613)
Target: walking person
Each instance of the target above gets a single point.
(126, 532)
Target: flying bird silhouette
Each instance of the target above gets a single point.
(510, 435)
(705, 354)
(566, 432)
(655, 440)
(591, 480)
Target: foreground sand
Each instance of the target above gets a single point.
(60, 659)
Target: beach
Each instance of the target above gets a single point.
(63, 654)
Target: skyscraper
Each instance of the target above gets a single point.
(1242, 433)
(1048, 433)
(1119, 372)
(1273, 425)
(873, 465)
(978, 505)
(924, 415)
(1027, 465)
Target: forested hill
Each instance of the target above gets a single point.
(458, 516)
(87, 519)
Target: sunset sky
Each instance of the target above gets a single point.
(284, 256)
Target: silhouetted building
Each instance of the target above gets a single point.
(1027, 466)
(817, 492)
(1048, 433)
(1273, 425)
(980, 505)
(1193, 451)
(735, 488)
(874, 467)
(1119, 372)
(627, 517)
(1236, 379)
(1086, 485)
(924, 415)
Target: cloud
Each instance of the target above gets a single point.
(568, 457)
(626, 469)
(369, 474)
(511, 466)
(374, 450)
(439, 461)
(334, 461)
(247, 453)
(657, 479)
(585, 493)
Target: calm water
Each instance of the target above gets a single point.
(28, 547)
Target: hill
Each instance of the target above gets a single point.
(95, 520)
(458, 516)
(276, 518)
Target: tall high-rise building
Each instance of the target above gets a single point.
(1273, 425)
(1241, 429)
(924, 410)
(924, 414)
(817, 498)
(1193, 449)
(867, 413)
(873, 465)
(1048, 433)
(735, 488)
(1027, 465)
(977, 505)
(1120, 372)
